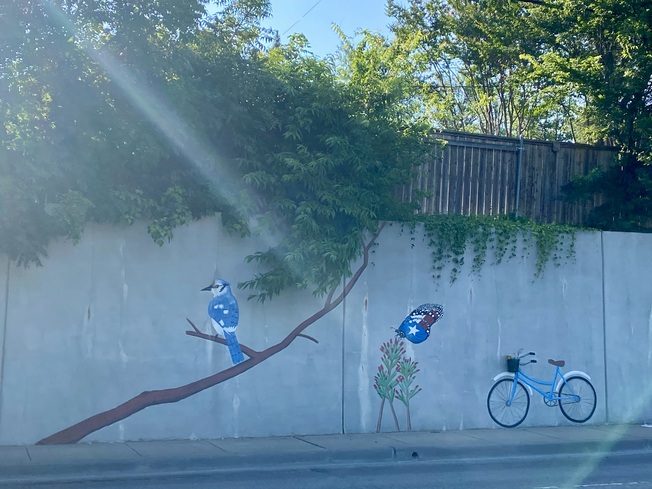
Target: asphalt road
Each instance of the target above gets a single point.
(619, 471)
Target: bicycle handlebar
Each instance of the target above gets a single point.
(528, 363)
(527, 354)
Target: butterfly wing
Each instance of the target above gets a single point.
(416, 326)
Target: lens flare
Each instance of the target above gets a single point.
(160, 114)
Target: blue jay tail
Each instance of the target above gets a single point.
(234, 348)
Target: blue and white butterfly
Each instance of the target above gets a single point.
(416, 327)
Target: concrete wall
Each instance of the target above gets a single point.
(486, 317)
(104, 320)
(4, 289)
(628, 325)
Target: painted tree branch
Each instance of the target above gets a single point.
(251, 353)
(308, 337)
(146, 399)
(218, 339)
(330, 295)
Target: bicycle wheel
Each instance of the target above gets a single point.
(577, 399)
(501, 411)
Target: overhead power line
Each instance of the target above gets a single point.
(302, 17)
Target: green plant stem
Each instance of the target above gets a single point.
(408, 420)
(380, 415)
(391, 405)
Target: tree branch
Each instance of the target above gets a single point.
(146, 399)
(308, 337)
(218, 339)
(251, 353)
(330, 295)
(193, 326)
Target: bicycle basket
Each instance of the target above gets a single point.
(512, 364)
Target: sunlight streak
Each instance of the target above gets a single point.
(220, 177)
(616, 433)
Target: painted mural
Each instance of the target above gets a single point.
(416, 326)
(224, 313)
(396, 374)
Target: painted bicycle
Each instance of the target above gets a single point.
(508, 401)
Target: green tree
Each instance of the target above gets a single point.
(146, 115)
(602, 48)
(473, 60)
(74, 145)
(327, 165)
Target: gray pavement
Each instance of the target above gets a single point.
(33, 464)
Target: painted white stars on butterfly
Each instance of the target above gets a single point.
(416, 326)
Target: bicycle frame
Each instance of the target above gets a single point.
(531, 382)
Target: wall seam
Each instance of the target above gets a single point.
(342, 427)
(4, 335)
(604, 330)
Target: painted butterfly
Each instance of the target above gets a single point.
(416, 327)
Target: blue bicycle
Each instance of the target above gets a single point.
(508, 401)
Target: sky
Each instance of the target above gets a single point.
(315, 24)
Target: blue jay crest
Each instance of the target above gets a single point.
(416, 327)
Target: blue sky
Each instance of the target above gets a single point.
(350, 15)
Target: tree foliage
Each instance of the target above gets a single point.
(603, 49)
(332, 157)
(473, 60)
(157, 111)
(74, 145)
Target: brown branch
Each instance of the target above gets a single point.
(193, 326)
(146, 399)
(218, 339)
(330, 295)
(308, 337)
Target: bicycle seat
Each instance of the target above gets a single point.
(556, 363)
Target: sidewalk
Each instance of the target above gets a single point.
(84, 461)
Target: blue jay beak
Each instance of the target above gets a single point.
(210, 287)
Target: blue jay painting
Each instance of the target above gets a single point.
(416, 327)
(224, 313)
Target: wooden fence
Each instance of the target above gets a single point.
(479, 174)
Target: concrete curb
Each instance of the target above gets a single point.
(132, 460)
